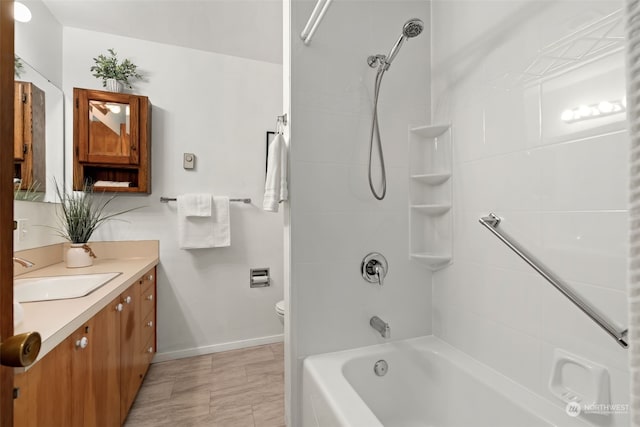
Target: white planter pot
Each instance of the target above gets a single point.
(114, 85)
(78, 256)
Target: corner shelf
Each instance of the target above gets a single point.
(430, 207)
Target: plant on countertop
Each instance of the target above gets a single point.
(80, 214)
(108, 67)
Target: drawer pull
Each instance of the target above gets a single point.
(119, 307)
(127, 300)
(150, 277)
(82, 342)
(150, 297)
(150, 323)
(150, 350)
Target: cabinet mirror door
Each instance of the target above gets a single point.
(107, 133)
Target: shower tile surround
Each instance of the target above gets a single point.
(560, 187)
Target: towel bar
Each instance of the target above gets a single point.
(173, 199)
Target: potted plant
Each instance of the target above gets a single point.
(80, 214)
(114, 74)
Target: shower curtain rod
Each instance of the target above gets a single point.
(492, 221)
(314, 20)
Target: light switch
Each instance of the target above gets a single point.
(188, 160)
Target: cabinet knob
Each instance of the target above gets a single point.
(119, 307)
(150, 277)
(150, 297)
(150, 323)
(127, 300)
(82, 342)
(150, 350)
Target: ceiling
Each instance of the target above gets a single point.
(246, 28)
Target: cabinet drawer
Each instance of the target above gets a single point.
(148, 351)
(148, 300)
(148, 327)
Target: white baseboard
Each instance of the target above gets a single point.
(216, 348)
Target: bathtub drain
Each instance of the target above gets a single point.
(380, 368)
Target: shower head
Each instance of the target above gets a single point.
(410, 29)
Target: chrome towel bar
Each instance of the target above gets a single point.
(492, 221)
(173, 199)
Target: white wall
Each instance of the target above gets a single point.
(335, 221)
(218, 107)
(561, 188)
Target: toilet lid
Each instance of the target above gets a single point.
(280, 307)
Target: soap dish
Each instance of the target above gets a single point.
(576, 379)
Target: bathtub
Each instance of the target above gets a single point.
(428, 384)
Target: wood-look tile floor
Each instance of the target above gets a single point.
(238, 388)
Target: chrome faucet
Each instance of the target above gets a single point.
(23, 262)
(381, 326)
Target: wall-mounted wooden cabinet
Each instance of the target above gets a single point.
(29, 137)
(111, 141)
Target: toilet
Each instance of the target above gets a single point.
(280, 311)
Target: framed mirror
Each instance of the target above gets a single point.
(39, 139)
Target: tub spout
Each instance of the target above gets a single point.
(381, 326)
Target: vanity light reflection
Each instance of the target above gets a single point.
(593, 111)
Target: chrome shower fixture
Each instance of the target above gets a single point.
(411, 28)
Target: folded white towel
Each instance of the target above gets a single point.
(195, 204)
(198, 232)
(112, 184)
(275, 189)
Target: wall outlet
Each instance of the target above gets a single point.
(20, 234)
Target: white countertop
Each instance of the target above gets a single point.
(56, 320)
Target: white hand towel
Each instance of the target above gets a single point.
(275, 189)
(198, 232)
(195, 204)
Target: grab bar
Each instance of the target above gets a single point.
(492, 221)
(314, 20)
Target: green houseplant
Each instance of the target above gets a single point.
(80, 214)
(114, 74)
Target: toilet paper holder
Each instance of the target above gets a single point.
(259, 278)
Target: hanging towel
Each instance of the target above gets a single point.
(275, 189)
(195, 204)
(198, 232)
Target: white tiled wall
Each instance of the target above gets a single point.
(335, 220)
(561, 188)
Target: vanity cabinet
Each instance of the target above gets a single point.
(111, 141)
(93, 376)
(29, 157)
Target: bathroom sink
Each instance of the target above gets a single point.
(59, 287)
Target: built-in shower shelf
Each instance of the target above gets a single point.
(433, 261)
(432, 178)
(433, 210)
(431, 131)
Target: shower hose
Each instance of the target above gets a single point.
(375, 133)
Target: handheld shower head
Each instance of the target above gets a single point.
(410, 29)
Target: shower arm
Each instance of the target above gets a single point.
(492, 221)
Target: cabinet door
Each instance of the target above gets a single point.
(107, 127)
(129, 343)
(43, 397)
(95, 371)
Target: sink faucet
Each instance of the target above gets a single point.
(23, 262)
(381, 326)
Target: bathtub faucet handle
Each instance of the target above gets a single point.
(374, 268)
(379, 270)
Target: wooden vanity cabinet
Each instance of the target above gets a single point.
(29, 158)
(111, 141)
(93, 376)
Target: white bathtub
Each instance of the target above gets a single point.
(428, 384)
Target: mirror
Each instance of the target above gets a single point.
(109, 131)
(39, 144)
